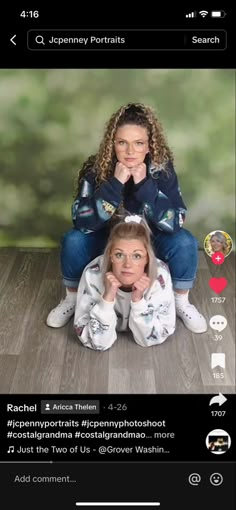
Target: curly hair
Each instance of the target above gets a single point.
(103, 163)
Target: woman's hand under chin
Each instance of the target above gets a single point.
(122, 172)
(139, 173)
(139, 288)
(112, 285)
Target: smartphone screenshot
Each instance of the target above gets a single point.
(117, 258)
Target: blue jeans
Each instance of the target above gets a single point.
(178, 250)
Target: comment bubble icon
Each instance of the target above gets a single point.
(218, 322)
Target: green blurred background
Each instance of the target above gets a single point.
(52, 120)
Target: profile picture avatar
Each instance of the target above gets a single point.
(218, 241)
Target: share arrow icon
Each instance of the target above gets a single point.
(218, 399)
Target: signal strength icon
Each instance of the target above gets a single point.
(191, 15)
(203, 13)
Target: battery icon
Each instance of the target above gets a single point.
(218, 14)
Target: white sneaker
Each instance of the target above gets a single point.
(192, 319)
(60, 315)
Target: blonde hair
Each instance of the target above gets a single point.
(222, 240)
(131, 230)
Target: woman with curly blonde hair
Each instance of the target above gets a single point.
(132, 171)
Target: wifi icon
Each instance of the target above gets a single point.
(203, 13)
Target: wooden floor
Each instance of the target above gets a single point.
(38, 359)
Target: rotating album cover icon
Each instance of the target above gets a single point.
(218, 441)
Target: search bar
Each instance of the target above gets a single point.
(123, 40)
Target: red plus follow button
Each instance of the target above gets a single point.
(218, 258)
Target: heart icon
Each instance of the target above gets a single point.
(218, 284)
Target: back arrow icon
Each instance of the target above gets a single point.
(218, 399)
(12, 40)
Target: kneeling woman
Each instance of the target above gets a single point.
(127, 288)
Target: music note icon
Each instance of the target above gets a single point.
(10, 449)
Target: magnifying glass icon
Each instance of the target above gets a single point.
(39, 39)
